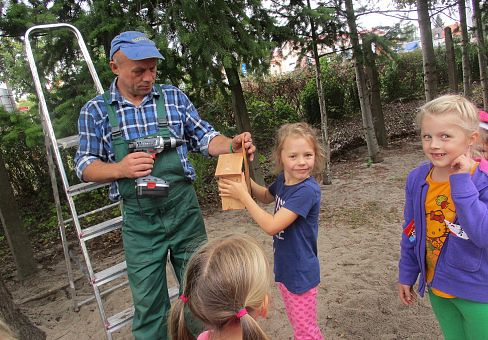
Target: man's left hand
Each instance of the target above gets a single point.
(248, 145)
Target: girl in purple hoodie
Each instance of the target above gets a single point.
(445, 231)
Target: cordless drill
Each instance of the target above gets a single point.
(151, 186)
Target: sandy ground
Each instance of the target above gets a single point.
(358, 249)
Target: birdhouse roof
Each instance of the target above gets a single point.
(229, 164)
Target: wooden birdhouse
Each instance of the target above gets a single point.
(229, 166)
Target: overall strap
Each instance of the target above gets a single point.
(160, 109)
(112, 117)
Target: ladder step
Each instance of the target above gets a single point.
(113, 205)
(109, 274)
(119, 320)
(84, 187)
(68, 142)
(173, 292)
(101, 228)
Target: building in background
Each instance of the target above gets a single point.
(7, 101)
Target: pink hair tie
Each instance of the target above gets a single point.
(484, 120)
(241, 313)
(483, 116)
(183, 298)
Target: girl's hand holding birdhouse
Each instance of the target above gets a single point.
(236, 190)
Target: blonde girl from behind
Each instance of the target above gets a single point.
(298, 156)
(226, 286)
(445, 231)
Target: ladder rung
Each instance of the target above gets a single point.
(113, 205)
(68, 142)
(109, 274)
(101, 228)
(119, 320)
(173, 292)
(84, 187)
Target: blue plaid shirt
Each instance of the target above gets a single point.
(183, 121)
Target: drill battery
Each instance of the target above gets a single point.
(150, 186)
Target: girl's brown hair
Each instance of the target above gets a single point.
(302, 130)
(222, 277)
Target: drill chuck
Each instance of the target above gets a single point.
(155, 143)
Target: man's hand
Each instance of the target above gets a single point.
(248, 145)
(136, 164)
(406, 294)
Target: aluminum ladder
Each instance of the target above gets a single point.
(99, 280)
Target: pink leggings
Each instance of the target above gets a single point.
(302, 313)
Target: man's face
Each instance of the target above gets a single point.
(135, 77)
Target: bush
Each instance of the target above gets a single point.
(340, 90)
(403, 78)
(205, 184)
(266, 118)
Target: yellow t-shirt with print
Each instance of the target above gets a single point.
(439, 208)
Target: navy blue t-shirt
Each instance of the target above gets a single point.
(295, 249)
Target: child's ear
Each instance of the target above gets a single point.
(474, 138)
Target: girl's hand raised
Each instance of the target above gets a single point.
(462, 164)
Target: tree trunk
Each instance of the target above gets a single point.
(480, 40)
(451, 60)
(361, 83)
(327, 175)
(18, 323)
(242, 117)
(373, 85)
(428, 56)
(15, 232)
(464, 49)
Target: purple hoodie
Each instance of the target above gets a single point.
(462, 267)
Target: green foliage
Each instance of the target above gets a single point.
(215, 107)
(402, 78)
(23, 152)
(266, 118)
(205, 184)
(306, 26)
(340, 92)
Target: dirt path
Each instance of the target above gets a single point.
(358, 249)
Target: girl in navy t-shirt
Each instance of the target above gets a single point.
(294, 225)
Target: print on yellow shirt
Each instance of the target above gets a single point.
(439, 212)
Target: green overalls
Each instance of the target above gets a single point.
(154, 225)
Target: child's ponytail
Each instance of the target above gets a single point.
(251, 329)
(176, 321)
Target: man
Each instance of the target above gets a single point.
(135, 108)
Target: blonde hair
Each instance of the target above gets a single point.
(458, 105)
(455, 104)
(302, 130)
(222, 277)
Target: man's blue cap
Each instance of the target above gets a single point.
(135, 45)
